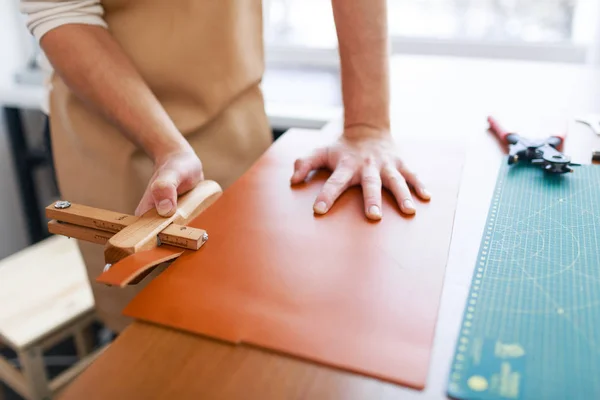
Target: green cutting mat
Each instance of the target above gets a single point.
(531, 324)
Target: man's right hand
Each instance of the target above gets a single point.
(174, 174)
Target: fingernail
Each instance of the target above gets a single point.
(408, 205)
(374, 211)
(164, 207)
(320, 207)
(426, 193)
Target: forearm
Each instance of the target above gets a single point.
(363, 47)
(97, 70)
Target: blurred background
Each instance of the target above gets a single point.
(301, 57)
(531, 29)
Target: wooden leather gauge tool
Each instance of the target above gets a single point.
(127, 238)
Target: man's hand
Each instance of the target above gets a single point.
(365, 154)
(359, 157)
(174, 174)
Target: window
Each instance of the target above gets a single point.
(560, 30)
(543, 21)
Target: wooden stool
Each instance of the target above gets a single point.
(45, 297)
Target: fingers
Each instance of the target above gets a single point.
(161, 188)
(338, 182)
(190, 182)
(393, 180)
(164, 192)
(161, 194)
(414, 182)
(371, 185)
(303, 166)
(145, 204)
(174, 176)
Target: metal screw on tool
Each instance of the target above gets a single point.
(205, 237)
(62, 204)
(107, 267)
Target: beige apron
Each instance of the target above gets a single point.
(203, 59)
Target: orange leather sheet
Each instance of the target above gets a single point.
(336, 289)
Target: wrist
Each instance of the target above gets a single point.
(373, 119)
(367, 130)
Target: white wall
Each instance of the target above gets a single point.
(13, 233)
(594, 54)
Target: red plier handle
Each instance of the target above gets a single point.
(497, 130)
(502, 134)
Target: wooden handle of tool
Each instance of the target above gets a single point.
(191, 204)
(142, 234)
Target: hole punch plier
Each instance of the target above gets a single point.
(543, 152)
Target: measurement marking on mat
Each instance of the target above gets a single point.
(477, 383)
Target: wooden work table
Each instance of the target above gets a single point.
(432, 98)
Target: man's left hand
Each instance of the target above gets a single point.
(362, 157)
